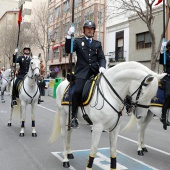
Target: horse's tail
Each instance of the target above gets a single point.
(16, 109)
(56, 128)
(131, 123)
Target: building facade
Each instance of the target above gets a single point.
(8, 36)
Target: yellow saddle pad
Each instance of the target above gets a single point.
(86, 94)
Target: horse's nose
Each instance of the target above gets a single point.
(37, 75)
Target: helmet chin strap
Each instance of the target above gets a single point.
(27, 53)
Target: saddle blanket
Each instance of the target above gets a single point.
(159, 98)
(86, 94)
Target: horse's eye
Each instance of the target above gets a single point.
(31, 62)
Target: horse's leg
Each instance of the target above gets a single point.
(113, 145)
(69, 152)
(96, 134)
(2, 96)
(10, 118)
(23, 117)
(64, 134)
(141, 128)
(34, 134)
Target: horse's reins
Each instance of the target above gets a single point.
(123, 102)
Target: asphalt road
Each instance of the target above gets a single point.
(35, 153)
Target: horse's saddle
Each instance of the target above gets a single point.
(159, 98)
(86, 94)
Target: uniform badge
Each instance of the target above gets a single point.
(82, 43)
(22, 59)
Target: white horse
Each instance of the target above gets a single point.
(142, 124)
(28, 94)
(126, 78)
(4, 81)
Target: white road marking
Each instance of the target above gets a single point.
(61, 159)
(158, 150)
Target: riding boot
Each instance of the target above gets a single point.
(40, 100)
(74, 121)
(14, 102)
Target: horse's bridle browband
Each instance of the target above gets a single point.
(135, 104)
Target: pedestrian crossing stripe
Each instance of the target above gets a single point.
(102, 160)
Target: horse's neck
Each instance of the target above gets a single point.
(119, 82)
(30, 82)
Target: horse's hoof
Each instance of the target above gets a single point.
(21, 134)
(66, 164)
(9, 124)
(34, 134)
(144, 150)
(140, 153)
(70, 156)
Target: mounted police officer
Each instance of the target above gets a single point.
(90, 61)
(24, 62)
(166, 82)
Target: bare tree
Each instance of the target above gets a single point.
(9, 36)
(42, 36)
(144, 9)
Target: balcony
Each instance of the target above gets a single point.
(116, 57)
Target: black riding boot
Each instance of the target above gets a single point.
(14, 102)
(74, 121)
(40, 100)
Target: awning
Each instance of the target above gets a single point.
(55, 47)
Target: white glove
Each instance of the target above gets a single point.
(162, 47)
(102, 70)
(71, 30)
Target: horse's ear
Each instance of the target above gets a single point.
(160, 76)
(149, 79)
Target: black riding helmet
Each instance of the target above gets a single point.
(27, 48)
(89, 23)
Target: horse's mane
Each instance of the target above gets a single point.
(135, 68)
(35, 57)
(131, 65)
(6, 73)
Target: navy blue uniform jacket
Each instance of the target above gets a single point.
(88, 56)
(24, 65)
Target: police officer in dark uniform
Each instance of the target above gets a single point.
(24, 62)
(166, 82)
(90, 61)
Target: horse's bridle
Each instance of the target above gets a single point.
(32, 69)
(134, 104)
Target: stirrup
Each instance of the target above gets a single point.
(74, 123)
(14, 103)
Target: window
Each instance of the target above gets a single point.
(119, 53)
(143, 40)
(56, 53)
(78, 3)
(89, 16)
(65, 29)
(56, 34)
(63, 51)
(99, 17)
(50, 17)
(78, 26)
(67, 6)
(57, 11)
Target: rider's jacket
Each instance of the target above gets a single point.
(167, 61)
(23, 63)
(89, 57)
